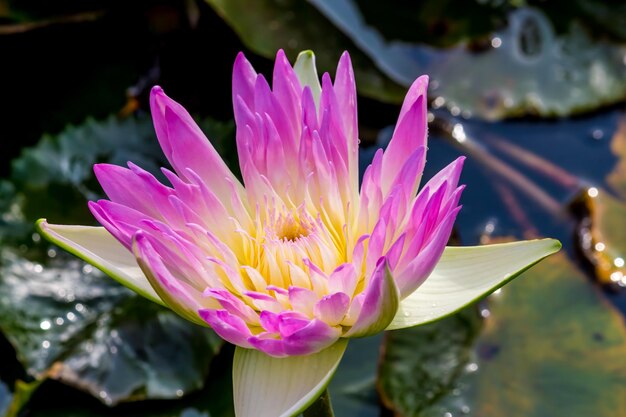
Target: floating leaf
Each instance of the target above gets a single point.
(213, 400)
(58, 173)
(527, 68)
(96, 335)
(268, 25)
(65, 319)
(550, 346)
(425, 359)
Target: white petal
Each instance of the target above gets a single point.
(98, 247)
(465, 275)
(307, 74)
(281, 387)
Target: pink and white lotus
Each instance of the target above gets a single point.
(298, 259)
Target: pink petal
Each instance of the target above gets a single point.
(312, 338)
(318, 278)
(121, 221)
(267, 105)
(287, 88)
(417, 270)
(376, 246)
(332, 308)
(134, 188)
(409, 176)
(244, 77)
(198, 196)
(343, 279)
(332, 122)
(269, 344)
(371, 197)
(179, 296)
(345, 90)
(228, 326)
(418, 89)
(410, 132)
(358, 253)
(380, 303)
(302, 300)
(428, 222)
(233, 305)
(264, 302)
(269, 321)
(354, 310)
(185, 146)
(395, 252)
(450, 174)
(180, 257)
(290, 322)
(278, 290)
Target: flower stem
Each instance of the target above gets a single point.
(321, 407)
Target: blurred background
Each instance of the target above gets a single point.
(531, 91)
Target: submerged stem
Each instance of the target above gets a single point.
(322, 407)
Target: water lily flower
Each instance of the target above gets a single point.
(298, 259)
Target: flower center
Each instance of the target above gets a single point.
(283, 245)
(287, 225)
(291, 229)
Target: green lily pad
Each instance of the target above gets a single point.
(61, 166)
(550, 346)
(57, 173)
(268, 25)
(213, 400)
(69, 322)
(421, 364)
(527, 68)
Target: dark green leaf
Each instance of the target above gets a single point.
(214, 400)
(67, 320)
(61, 167)
(551, 346)
(58, 173)
(421, 364)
